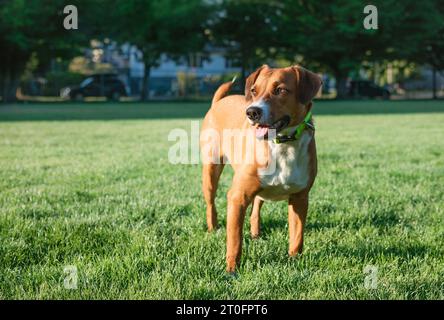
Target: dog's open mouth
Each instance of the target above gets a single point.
(262, 130)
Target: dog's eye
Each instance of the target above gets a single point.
(279, 91)
(253, 91)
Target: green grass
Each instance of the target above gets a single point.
(101, 195)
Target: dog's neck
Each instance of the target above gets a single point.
(295, 132)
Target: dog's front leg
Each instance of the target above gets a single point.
(297, 214)
(238, 202)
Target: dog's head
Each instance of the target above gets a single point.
(279, 98)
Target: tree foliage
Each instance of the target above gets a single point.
(248, 30)
(327, 36)
(171, 27)
(35, 28)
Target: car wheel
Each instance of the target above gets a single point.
(115, 96)
(78, 97)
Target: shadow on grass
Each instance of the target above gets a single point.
(372, 248)
(193, 110)
(378, 249)
(383, 220)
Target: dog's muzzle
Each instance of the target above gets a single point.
(254, 114)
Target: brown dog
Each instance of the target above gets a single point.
(277, 104)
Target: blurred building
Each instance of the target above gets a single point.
(199, 75)
(421, 86)
(196, 74)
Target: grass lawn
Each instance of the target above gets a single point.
(90, 186)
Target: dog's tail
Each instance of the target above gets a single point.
(223, 90)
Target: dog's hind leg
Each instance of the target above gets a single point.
(210, 179)
(255, 218)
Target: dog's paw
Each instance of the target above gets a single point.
(211, 229)
(255, 236)
(230, 276)
(232, 263)
(295, 252)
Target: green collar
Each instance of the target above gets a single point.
(294, 133)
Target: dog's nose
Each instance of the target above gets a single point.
(254, 113)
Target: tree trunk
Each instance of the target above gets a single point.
(12, 66)
(244, 67)
(243, 77)
(9, 87)
(341, 86)
(145, 94)
(434, 83)
(3, 87)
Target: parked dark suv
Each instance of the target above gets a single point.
(98, 85)
(365, 88)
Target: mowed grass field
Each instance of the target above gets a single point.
(90, 186)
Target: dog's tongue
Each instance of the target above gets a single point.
(261, 132)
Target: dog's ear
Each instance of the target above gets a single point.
(308, 84)
(251, 80)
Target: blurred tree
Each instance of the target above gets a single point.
(418, 34)
(248, 30)
(35, 29)
(332, 36)
(435, 55)
(156, 27)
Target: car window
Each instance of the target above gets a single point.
(86, 82)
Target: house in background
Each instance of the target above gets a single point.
(193, 75)
(199, 76)
(421, 87)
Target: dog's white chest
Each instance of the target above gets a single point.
(288, 171)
